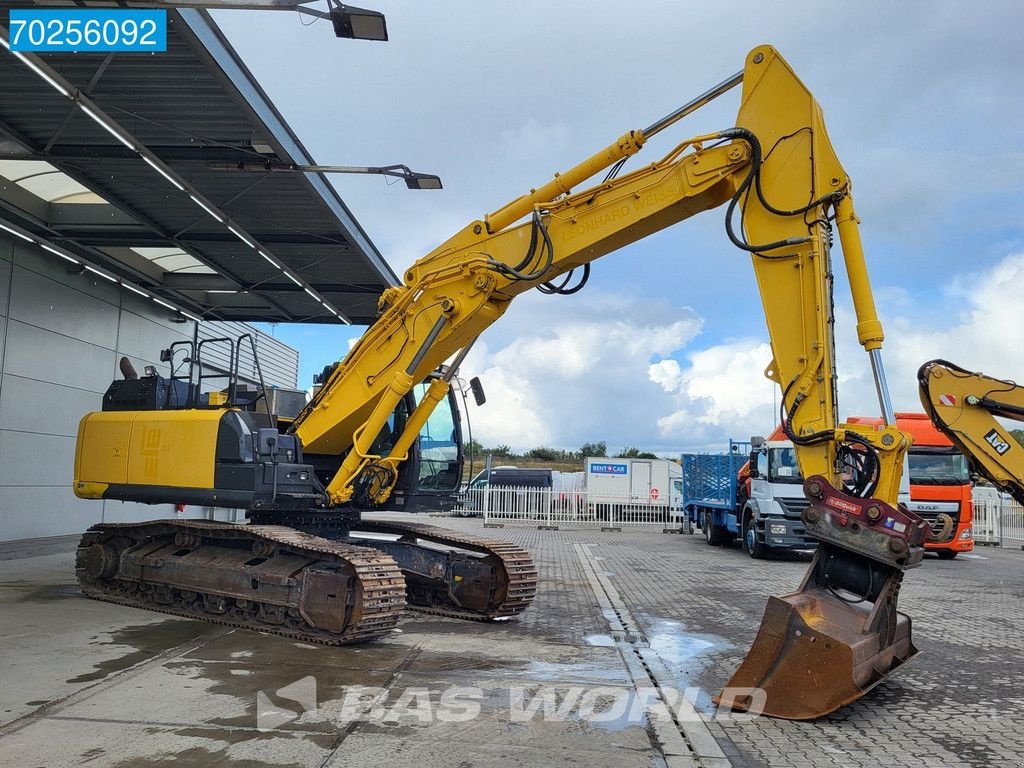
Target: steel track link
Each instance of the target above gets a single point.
(520, 569)
(382, 586)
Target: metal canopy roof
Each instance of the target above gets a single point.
(284, 247)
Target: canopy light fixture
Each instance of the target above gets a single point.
(358, 23)
(413, 180)
(422, 181)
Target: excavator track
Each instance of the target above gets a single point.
(309, 588)
(515, 574)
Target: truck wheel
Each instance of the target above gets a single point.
(946, 554)
(712, 533)
(756, 549)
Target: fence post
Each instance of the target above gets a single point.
(487, 508)
(999, 522)
(548, 526)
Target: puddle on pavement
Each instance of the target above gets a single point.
(601, 641)
(613, 714)
(685, 654)
(574, 671)
(197, 757)
(147, 640)
(243, 681)
(52, 593)
(247, 733)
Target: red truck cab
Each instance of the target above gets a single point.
(940, 480)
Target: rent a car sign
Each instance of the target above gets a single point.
(608, 469)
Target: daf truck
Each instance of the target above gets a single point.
(940, 481)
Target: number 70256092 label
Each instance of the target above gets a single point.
(87, 29)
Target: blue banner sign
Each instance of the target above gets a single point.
(608, 469)
(84, 30)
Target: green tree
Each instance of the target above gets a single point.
(1018, 435)
(501, 450)
(632, 452)
(593, 449)
(547, 454)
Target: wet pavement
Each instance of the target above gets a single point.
(613, 665)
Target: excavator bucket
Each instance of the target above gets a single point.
(839, 635)
(816, 651)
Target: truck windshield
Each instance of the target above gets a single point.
(938, 467)
(782, 466)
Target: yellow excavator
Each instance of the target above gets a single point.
(965, 405)
(382, 433)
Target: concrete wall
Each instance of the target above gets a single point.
(61, 336)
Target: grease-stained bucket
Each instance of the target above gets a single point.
(822, 647)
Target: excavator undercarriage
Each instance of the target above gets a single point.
(299, 568)
(309, 580)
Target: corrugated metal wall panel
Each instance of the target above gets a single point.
(278, 361)
(64, 336)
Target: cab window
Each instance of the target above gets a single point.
(439, 453)
(762, 465)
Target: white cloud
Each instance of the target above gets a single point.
(982, 329)
(610, 369)
(574, 375)
(599, 367)
(722, 393)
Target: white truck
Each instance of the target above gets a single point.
(649, 484)
(762, 511)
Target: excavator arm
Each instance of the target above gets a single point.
(776, 171)
(965, 405)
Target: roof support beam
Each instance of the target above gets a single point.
(133, 236)
(196, 281)
(168, 152)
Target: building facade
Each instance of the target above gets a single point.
(62, 333)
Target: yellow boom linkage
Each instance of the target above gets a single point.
(965, 405)
(840, 634)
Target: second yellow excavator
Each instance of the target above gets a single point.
(965, 406)
(313, 564)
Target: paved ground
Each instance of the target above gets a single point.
(621, 618)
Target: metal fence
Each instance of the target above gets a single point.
(999, 522)
(554, 509)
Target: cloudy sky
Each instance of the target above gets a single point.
(666, 347)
